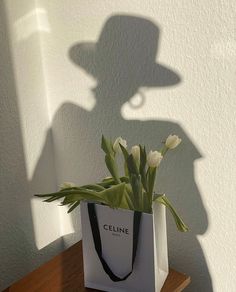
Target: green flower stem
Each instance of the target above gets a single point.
(129, 200)
(151, 177)
(130, 195)
(147, 207)
(164, 150)
(142, 167)
(112, 167)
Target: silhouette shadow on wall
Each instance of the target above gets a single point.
(122, 62)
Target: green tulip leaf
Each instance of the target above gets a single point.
(95, 187)
(114, 195)
(162, 199)
(112, 167)
(124, 151)
(73, 206)
(106, 146)
(126, 155)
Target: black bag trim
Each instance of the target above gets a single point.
(98, 245)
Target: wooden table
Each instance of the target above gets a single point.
(64, 273)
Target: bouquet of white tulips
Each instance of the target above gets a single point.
(134, 190)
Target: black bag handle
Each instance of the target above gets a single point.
(98, 245)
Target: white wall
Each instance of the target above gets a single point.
(197, 41)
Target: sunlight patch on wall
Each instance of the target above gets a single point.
(225, 49)
(46, 231)
(32, 22)
(66, 221)
(78, 90)
(135, 104)
(143, 107)
(48, 223)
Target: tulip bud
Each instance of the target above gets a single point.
(116, 145)
(172, 141)
(154, 158)
(67, 185)
(135, 151)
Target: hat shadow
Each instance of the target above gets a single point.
(124, 57)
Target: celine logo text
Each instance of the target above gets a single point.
(116, 229)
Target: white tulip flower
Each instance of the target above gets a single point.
(154, 158)
(116, 145)
(172, 141)
(135, 151)
(67, 185)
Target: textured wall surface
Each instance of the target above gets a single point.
(96, 89)
(140, 69)
(29, 230)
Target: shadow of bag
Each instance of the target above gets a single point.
(124, 250)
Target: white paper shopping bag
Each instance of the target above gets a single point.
(124, 250)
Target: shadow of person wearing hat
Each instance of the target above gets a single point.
(122, 62)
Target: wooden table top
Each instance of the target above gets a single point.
(64, 273)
